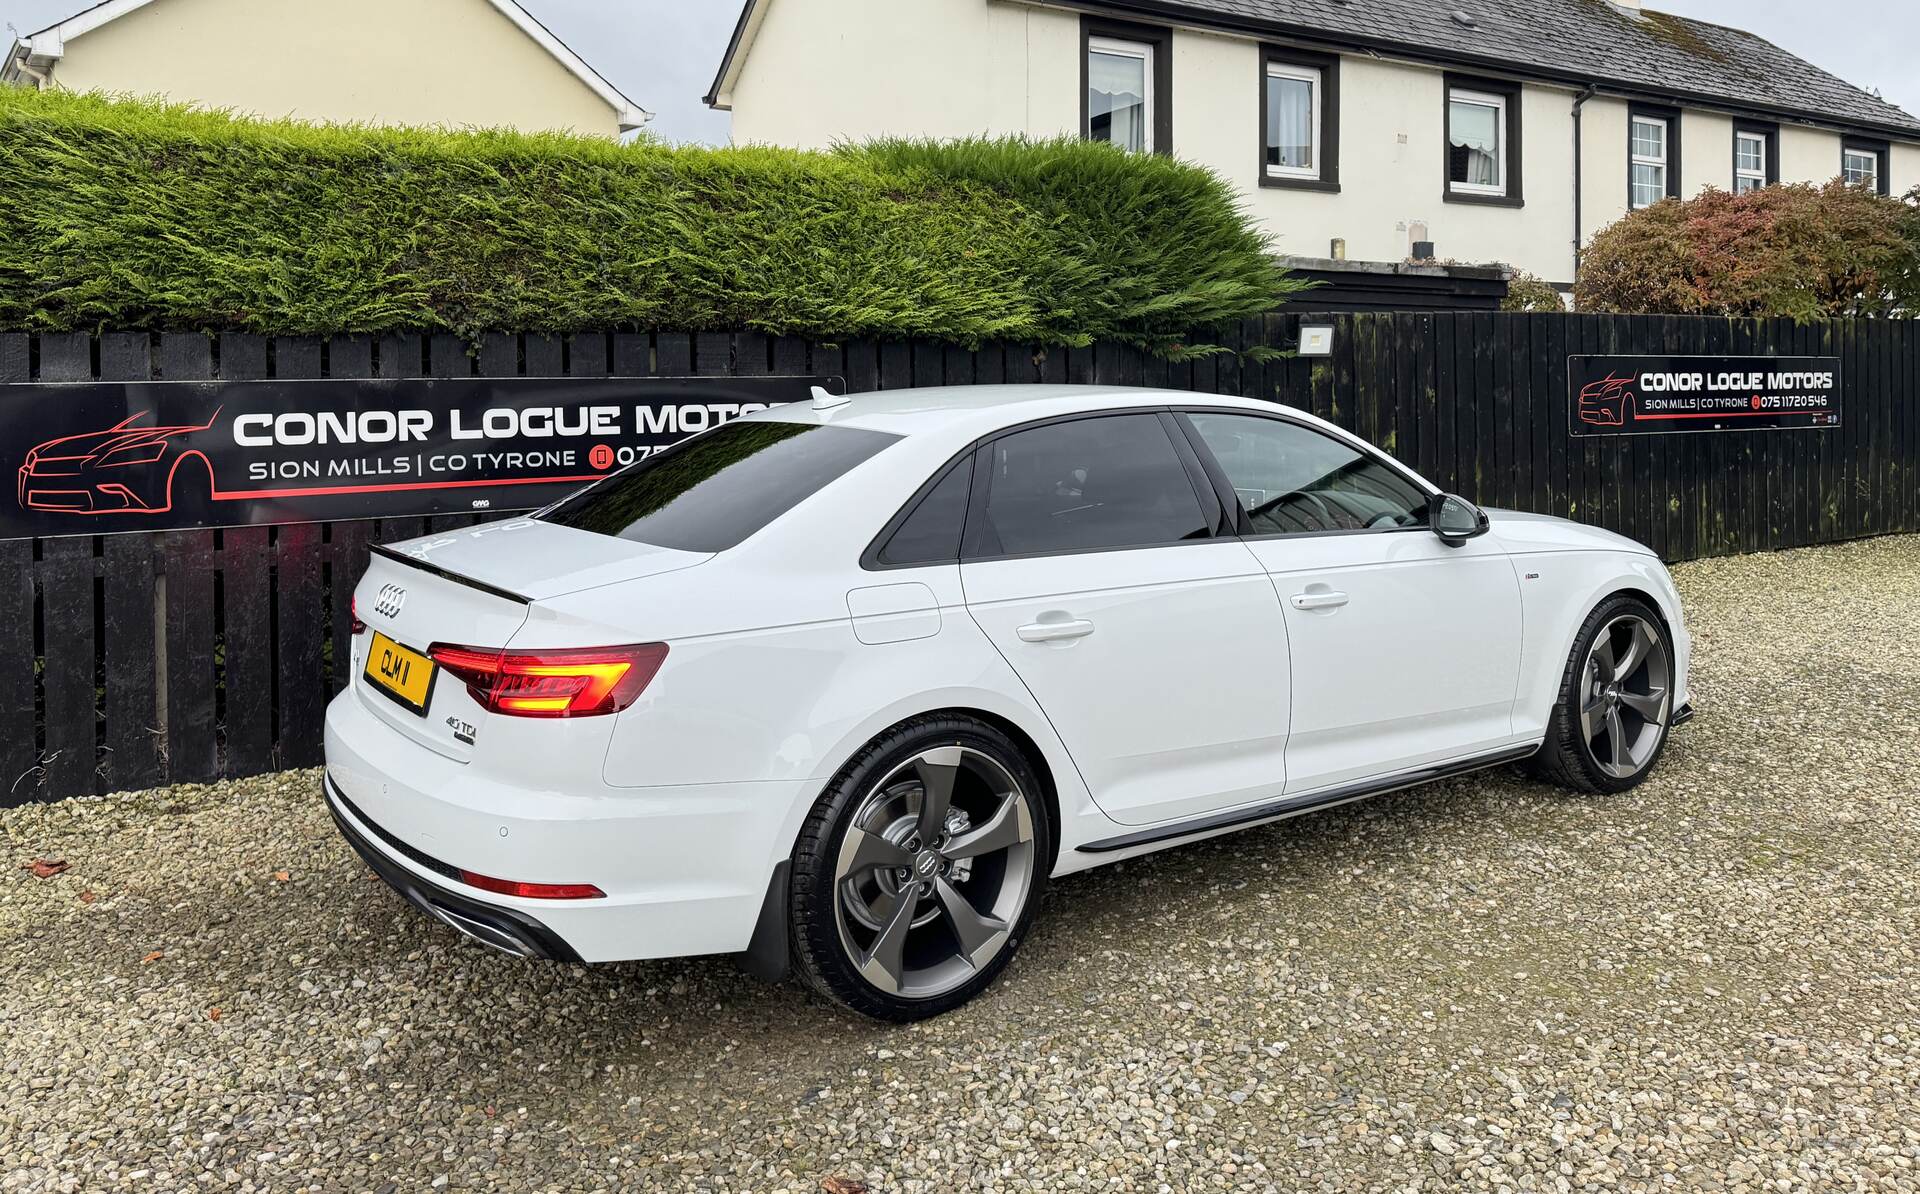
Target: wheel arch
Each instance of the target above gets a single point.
(173, 473)
(1565, 759)
(1576, 584)
(1640, 594)
(767, 955)
(1639, 589)
(1037, 756)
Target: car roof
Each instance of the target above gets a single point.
(967, 412)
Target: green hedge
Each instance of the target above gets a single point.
(131, 215)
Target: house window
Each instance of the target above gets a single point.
(1649, 160)
(1126, 83)
(1477, 143)
(1857, 166)
(1756, 156)
(1293, 120)
(1864, 164)
(1120, 93)
(1749, 162)
(1299, 120)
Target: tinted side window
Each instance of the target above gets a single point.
(1114, 481)
(710, 492)
(931, 534)
(1294, 480)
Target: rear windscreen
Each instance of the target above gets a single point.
(710, 492)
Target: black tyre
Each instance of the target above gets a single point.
(1610, 719)
(918, 871)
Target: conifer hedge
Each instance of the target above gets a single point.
(126, 214)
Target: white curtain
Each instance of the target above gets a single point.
(1475, 137)
(1116, 100)
(1289, 123)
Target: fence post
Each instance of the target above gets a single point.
(19, 733)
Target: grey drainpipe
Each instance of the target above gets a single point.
(1579, 102)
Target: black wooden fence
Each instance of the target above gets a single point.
(130, 661)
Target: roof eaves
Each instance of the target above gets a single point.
(737, 46)
(52, 40)
(1207, 18)
(50, 43)
(629, 114)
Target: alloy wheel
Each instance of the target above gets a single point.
(933, 872)
(1625, 692)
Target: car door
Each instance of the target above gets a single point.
(1099, 563)
(1405, 649)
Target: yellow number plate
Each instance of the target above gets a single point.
(399, 673)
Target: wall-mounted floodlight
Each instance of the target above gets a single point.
(1316, 340)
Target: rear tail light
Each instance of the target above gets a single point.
(582, 682)
(354, 623)
(533, 891)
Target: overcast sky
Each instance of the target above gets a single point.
(663, 53)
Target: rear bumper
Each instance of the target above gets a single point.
(502, 928)
(684, 869)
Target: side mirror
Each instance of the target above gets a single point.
(1455, 519)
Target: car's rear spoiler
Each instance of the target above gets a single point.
(401, 557)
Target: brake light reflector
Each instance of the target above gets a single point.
(570, 682)
(534, 891)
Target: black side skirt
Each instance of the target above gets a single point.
(1294, 805)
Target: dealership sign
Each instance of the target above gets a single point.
(97, 457)
(1617, 395)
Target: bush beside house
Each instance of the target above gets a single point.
(142, 215)
(1527, 293)
(1799, 251)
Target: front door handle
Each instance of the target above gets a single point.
(1054, 632)
(1321, 600)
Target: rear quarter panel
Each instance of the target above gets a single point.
(795, 698)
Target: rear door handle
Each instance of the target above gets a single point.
(1326, 600)
(1053, 632)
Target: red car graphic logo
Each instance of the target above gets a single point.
(1607, 403)
(129, 468)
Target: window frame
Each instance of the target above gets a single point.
(1212, 487)
(1670, 165)
(1879, 151)
(1204, 494)
(1292, 63)
(1158, 41)
(1505, 98)
(1243, 521)
(870, 559)
(1769, 137)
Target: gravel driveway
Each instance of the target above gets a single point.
(1712, 982)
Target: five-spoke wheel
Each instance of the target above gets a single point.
(1625, 691)
(1615, 704)
(936, 861)
(917, 872)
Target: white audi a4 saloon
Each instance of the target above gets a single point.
(839, 687)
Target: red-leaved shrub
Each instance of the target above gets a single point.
(1798, 250)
